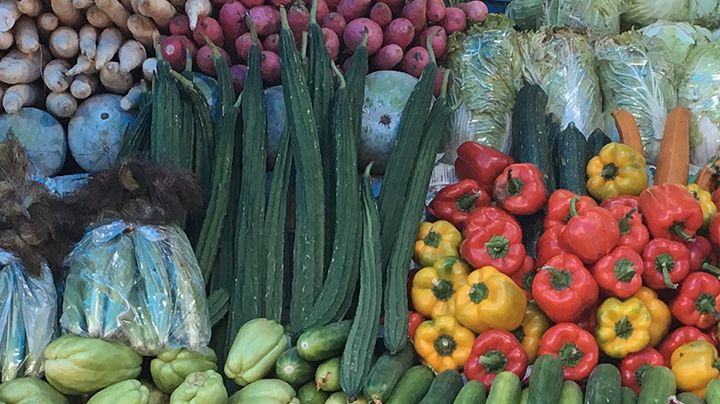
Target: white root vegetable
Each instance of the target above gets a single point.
(83, 86)
(6, 40)
(9, 14)
(21, 95)
(117, 13)
(64, 43)
(108, 45)
(20, 68)
(97, 18)
(55, 75)
(178, 3)
(149, 68)
(127, 4)
(132, 98)
(131, 55)
(3, 87)
(47, 23)
(27, 38)
(66, 13)
(88, 41)
(114, 80)
(33, 8)
(82, 66)
(161, 11)
(62, 105)
(143, 29)
(82, 4)
(196, 9)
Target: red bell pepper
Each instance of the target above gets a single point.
(666, 263)
(590, 234)
(492, 353)
(671, 212)
(588, 320)
(698, 302)
(702, 256)
(548, 245)
(520, 189)
(558, 207)
(498, 245)
(480, 218)
(524, 277)
(714, 230)
(564, 289)
(575, 347)
(619, 273)
(633, 366)
(480, 163)
(633, 232)
(414, 320)
(680, 337)
(629, 201)
(455, 202)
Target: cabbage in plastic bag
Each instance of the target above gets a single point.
(699, 91)
(600, 17)
(487, 70)
(705, 13)
(680, 38)
(636, 74)
(639, 13)
(562, 62)
(527, 14)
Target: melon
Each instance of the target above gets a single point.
(42, 136)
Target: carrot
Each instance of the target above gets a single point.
(708, 178)
(381, 14)
(416, 12)
(9, 14)
(143, 29)
(149, 67)
(161, 11)
(82, 65)
(108, 45)
(21, 95)
(55, 75)
(435, 10)
(455, 20)
(61, 105)
(117, 13)
(114, 80)
(628, 130)
(674, 159)
(196, 9)
(83, 86)
(132, 98)
(66, 13)
(46, 23)
(88, 40)
(6, 40)
(400, 32)
(388, 56)
(26, 35)
(20, 68)
(353, 9)
(64, 43)
(33, 8)
(97, 18)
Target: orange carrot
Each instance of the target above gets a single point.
(674, 160)
(628, 130)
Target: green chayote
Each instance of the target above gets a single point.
(171, 366)
(255, 350)
(126, 392)
(266, 391)
(28, 390)
(201, 388)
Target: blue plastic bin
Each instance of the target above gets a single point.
(497, 6)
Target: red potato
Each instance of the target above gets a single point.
(435, 10)
(388, 57)
(298, 17)
(476, 11)
(173, 50)
(439, 41)
(332, 43)
(210, 28)
(232, 20)
(205, 62)
(415, 61)
(279, 3)
(336, 22)
(455, 20)
(242, 46)
(252, 3)
(416, 11)
(271, 43)
(322, 10)
(395, 5)
(238, 73)
(180, 25)
(353, 9)
(266, 19)
(400, 32)
(354, 33)
(270, 67)
(332, 4)
(381, 14)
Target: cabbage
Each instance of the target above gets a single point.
(562, 62)
(700, 92)
(705, 13)
(644, 12)
(527, 14)
(600, 17)
(636, 74)
(680, 38)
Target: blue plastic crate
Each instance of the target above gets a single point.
(497, 6)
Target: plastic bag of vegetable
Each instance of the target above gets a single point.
(562, 62)
(600, 17)
(639, 13)
(680, 38)
(527, 14)
(41, 135)
(487, 70)
(134, 277)
(705, 13)
(636, 74)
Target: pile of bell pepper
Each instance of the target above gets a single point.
(629, 278)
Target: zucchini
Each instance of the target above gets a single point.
(358, 352)
(553, 132)
(444, 388)
(595, 142)
(293, 369)
(413, 386)
(571, 393)
(505, 389)
(386, 373)
(629, 396)
(712, 392)
(532, 228)
(325, 342)
(530, 142)
(473, 392)
(603, 385)
(658, 384)
(524, 396)
(327, 375)
(571, 166)
(690, 398)
(309, 394)
(546, 380)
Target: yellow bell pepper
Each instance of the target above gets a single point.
(533, 326)
(490, 300)
(622, 326)
(436, 241)
(443, 343)
(617, 170)
(660, 313)
(695, 364)
(705, 200)
(433, 288)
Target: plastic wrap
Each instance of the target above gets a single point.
(136, 283)
(639, 13)
(527, 14)
(64, 185)
(636, 74)
(487, 70)
(680, 38)
(28, 318)
(599, 17)
(562, 62)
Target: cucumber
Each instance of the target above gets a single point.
(342, 398)
(505, 389)
(444, 388)
(595, 142)
(553, 132)
(658, 384)
(546, 380)
(629, 396)
(327, 375)
(571, 166)
(386, 373)
(571, 393)
(413, 386)
(524, 396)
(293, 369)
(532, 228)
(712, 393)
(690, 398)
(472, 393)
(323, 343)
(530, 142)
(603, 386)
(309, 394)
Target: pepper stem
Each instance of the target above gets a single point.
(493, 361)
(640, 372)
(514, 185)
(519, 333)
(466, 202)
(445, 345)
(624, 270)
(573, 207)
(560, 279)
(609, 171)
(498, 247)
(624, 223)
(705, 304)
(570, 355)
(442, 289)
(432, 239)
(665, 263)
(679, 230)
(624, 328)
(708, 267)
(478, 292)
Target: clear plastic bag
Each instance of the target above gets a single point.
(28, 317)
(600, 17)
(139, 284)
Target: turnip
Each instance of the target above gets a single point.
(83, 86)
(455, 20)
(21, 95)
(252, 3)
(131, 55)
(108, 45)
(332, 4)
(415, 60)
(173, 50)
(381, 14)
(439, 39)
(115, 11)
(416, 12)
(196, 9)
(132, 98)
(281, 3)
(353, 9)
(332, 43)
(27, 38)
(336, 22)
(65, 43)
(476, 11)
(271, 43)
(47, 23)
(61, 105)
(83, 65)
(42, 136)
(143, 29)
(210, 28)
(388, 57)
(19, 68)
(6, 40)
(242, 46)
(270, 67)
(88, 40)
(400, 32)
(354, 33)
(55, 75)
(9, 14)
(162, 11)
(266, 19)
(32, 8)
(435, 10)
(149, 67)
(97, 18)
(205, 61)
(232, 20)
(322, 10)
(180, 24)
(395, 5)
(238, 73)
(114, 80)
(298, 17)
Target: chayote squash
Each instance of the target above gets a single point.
(266, 391)
(201, 388)
(157, 396)
(78, 365)
(28, 390)
(126, 392)
(171, 366)
(257, 346)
